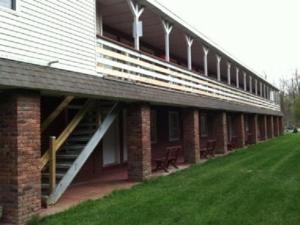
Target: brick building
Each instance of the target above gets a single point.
(89, 85)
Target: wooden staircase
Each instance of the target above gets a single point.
(67, 154)
(70, 150)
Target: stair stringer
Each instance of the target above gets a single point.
(84, 155)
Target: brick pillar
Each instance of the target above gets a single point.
(264, 130)
(239, 129)
(139, 142)
(270, 127)
(191, 135)
(220, 132)
(253, 127)
(20, 176)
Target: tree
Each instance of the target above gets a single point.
(297, 108)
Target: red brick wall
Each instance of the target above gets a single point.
(239, 129)
(191, 134)
(138, 142)
(253, 128)
(218, 130)
(20, 177)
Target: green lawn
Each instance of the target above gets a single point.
(260, 185)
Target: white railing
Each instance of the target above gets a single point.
(118, 62)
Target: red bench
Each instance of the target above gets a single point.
(170, 158)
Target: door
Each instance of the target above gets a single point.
(111, 145)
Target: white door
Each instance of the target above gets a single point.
(111, 145)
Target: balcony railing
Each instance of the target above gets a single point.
(116, 61)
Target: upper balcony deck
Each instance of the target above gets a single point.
(123, 63)
(147, 45)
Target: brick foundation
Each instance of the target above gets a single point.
(253, 129)
(20, 177)
(220, 131)
(270, 126)
(139, 142)
(191, 140)
(239, 129)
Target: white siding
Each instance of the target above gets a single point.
(42, 31)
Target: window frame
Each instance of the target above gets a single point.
(203, 135)
(13, 10)
(170, 114)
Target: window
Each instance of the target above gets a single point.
(10, 4)
(203, 125)
(153, 127)
(174, 127)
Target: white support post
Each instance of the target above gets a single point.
(136, 11)
(99, 23)
(219, 58)
(237, 71)
(189, 43)
(250, 84)
(245, 81)
(229, 73)
(264, 91)
(205, 51)
(167, 30)
(256, 87)
(261, 89)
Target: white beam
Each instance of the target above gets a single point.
(245, 81)
(205, 51)
(237, 71)
(256, 87)
(250, 84)
(136, 11)
(219, 58)
(229, 73)
(167, 30)
(189, 43)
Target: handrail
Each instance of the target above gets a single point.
(67, 132)
(168, 76)
(56, 112)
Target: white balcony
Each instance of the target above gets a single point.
(122, 63)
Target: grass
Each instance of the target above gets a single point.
(257, 186)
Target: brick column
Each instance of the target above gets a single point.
(270, 126)
(139, 142)
(264, 128)
(20, 176)
(220, 132)
(191, 135)
(253, 127)
(239, 129)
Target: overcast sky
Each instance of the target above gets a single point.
(262, 34)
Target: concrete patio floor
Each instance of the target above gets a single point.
(108, 182)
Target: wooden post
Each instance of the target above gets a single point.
(52, 165)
